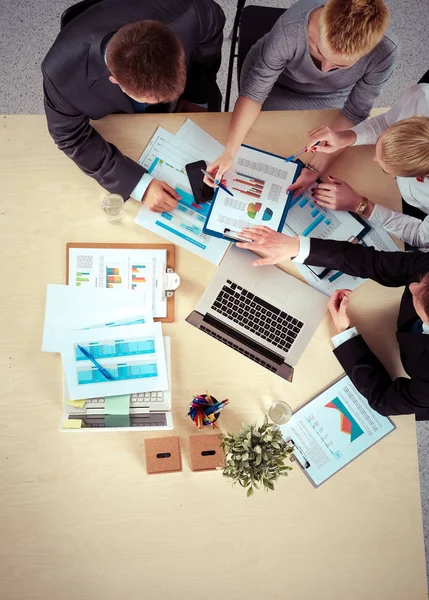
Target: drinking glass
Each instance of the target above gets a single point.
(280, 412)
(113, 206)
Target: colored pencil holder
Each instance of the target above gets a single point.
(200, 413)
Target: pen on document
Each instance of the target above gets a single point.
(222, 187)
(102, 370)
(307, 464)
(293, 156)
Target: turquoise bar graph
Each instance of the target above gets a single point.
(313, 225)
(120, 372)
(315, 213)
(116, 348)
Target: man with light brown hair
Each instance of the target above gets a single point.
(318, 55)
(130, 56)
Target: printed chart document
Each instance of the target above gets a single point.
(337, 280)
(70, 307)
(334, 429)
(140, 271)
(259, 182)
(132, 354)
(165, 158)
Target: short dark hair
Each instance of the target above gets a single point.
(147, 59)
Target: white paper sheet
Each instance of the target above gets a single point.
(72, 308)
(193, 135)
(165, 158)
(141, 271)
(133, 354)
(334, 429)
(259, 182)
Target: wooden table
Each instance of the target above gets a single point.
(79, 517)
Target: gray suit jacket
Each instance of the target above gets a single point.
(76, 78)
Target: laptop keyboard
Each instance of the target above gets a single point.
(136, 400)
(256, 315)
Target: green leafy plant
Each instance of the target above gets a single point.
(255, 456)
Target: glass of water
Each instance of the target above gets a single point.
(113, 206)
(280, 412)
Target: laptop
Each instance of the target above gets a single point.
(263, 313)
(148, 410)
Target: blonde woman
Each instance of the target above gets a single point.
(401, 138)
(333, 54)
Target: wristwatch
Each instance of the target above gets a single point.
(362, 206)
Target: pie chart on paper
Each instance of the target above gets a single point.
(267, 216)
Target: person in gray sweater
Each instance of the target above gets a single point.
(318, 55)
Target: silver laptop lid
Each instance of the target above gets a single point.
(283, 311)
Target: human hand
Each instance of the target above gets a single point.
(304, 181)
(336, 195)
(218, 168)
(330, 141)
(337, 306)
(276, 245)
(160, 197)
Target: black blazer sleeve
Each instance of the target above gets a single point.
(73, 134)
(388, 397)
(392, 269)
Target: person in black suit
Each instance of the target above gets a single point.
(128, 56)
(393, 269)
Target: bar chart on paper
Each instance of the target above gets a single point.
(113, 277)
(138, 278)
(114, 354)
(119, 371)
(306, 219)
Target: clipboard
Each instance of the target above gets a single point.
(170, 281)
(233, 238)
(366, 227)
(302, 458)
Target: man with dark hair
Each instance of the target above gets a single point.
(393, 269)
(130, 56)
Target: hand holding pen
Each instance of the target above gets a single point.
(221, 185)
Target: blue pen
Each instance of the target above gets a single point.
(222, 187)
(102, 370)
(293, 156)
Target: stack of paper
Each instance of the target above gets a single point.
(108, 342)
(307, 219)
(165, 158)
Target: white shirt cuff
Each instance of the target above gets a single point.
(140, 189)
(304, 250)
(342, 337)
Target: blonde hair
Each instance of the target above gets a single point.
(404, 147)
(353, 28)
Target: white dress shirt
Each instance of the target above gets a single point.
(415, 101)
(340, 338)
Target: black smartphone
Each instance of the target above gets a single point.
(201, 191)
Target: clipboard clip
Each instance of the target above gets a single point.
(171, 282)
(299, 456)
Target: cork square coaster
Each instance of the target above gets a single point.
(206, 452)
(163, 455)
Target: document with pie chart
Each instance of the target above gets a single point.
(258, 181)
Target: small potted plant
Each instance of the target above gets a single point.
(255, 456)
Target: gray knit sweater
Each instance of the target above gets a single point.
(280, 72)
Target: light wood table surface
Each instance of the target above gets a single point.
(79, 516)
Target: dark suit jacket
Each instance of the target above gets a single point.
(393, 269)
(76, 78)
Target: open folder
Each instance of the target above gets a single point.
(258, 181)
